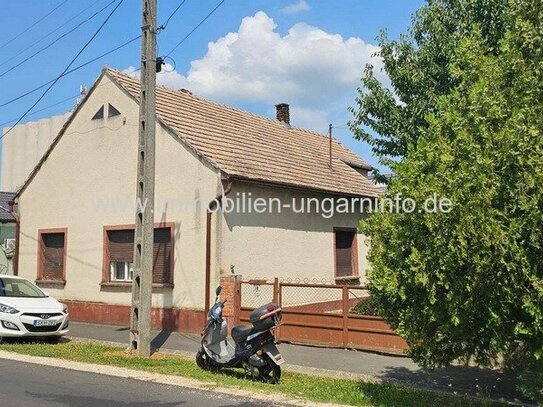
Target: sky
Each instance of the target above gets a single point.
(251, 54)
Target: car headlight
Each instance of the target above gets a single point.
(64, 308)
(7, 309)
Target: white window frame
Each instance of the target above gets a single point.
(128, 270)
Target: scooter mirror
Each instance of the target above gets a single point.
(218, 291)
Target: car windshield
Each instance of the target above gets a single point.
(14, 287)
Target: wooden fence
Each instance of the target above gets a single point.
(321, 314)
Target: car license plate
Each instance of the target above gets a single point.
(38, 322)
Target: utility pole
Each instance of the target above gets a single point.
(142, 284)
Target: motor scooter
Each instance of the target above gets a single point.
(253, 349)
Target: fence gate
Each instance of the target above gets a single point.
(322, 314)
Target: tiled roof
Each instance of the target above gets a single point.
(252, 147)
(5, 199)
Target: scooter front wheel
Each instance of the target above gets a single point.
(204, 362)
(271, 373)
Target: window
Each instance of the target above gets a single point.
(111, 111)
(99, 114)
(122, 270)
(346, 253)
(119, 254)
(52, 255)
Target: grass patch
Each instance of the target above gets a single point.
(342, 391)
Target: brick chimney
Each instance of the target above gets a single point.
(282, 113)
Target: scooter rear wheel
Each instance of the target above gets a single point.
(271, 373)
(205, 363)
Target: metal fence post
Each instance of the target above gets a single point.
(345, 301)
(277, 299)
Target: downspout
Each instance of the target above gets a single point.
(17, 235)
(210, 209)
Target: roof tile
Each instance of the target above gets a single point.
(253, 147)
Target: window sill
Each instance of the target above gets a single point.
(351, 280)
(128, 285)
(50, 283)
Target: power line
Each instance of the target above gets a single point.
(65, 69)
(42, 109)
(32, 25)
(101, 56)
(56, 40)
(71, 71)
(61, 101)
(163, 26)
(195, 28)
(43, 37)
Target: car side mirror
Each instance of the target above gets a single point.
(218, 291)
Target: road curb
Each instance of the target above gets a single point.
(178, 381)
(326, 373)
(313, 371)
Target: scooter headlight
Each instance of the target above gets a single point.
(7, 309)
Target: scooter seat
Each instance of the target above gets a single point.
(240, 333)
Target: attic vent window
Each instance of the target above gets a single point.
(111, 111)
(99, 114)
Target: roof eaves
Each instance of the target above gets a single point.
(358, 165)
(300, 187)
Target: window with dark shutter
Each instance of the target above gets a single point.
(52, 256)
(162, 255)
(120, 250)
(345, 253)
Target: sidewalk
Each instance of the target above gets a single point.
(458, 379)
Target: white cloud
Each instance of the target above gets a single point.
(300, 5)
(315, 71)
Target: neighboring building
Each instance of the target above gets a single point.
(382, 186)
(77, 206)
(8, 232)
(24, 146)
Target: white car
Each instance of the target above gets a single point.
(26, 311)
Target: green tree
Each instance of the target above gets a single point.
(418, 66)
(468, 285)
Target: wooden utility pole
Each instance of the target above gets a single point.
(142, 285)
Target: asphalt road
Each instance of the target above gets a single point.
(29, 385)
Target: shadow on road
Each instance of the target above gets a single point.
(85, 401)
(160, 339)
(466, 380)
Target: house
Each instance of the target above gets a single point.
(77, 206)
(8, 232)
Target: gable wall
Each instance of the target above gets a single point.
(89, 182)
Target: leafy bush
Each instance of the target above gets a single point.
(367, 306)
(468, 285)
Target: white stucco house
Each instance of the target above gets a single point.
(77, 206)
